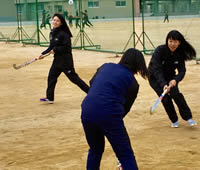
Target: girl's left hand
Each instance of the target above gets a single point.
(172, 83)
(52, 52)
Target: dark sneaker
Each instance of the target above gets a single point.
(46, 100)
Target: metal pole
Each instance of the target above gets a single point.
(143, 25)
(18, 19)
(81, 23)
(133, 17)
(20, 22)
(37, 22)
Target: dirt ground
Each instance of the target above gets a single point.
(37, 136)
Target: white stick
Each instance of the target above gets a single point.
(152, 109)
(28, 62)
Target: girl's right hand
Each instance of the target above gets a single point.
(41, 57)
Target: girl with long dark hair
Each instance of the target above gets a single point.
(60, 46)
(112, 92)
(167, 69)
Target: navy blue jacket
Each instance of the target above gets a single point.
(112, 93)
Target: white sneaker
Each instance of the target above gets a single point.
(191, 122)
(119, 166)
(175, 124)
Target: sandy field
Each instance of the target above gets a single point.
(37, 136)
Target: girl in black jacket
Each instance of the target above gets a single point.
(166, 60)
(60, 46)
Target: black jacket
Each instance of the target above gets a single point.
(60, 42)
(163, 65)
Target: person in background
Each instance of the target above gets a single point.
(77, 19)
(60, 46)
(43, 24)
(70, 19)
(113, 90)
(48, 21)
(167, 69)
(166, 16)
(65, 13)
(86, 19)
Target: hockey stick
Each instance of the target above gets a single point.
(28, 62)
(152, 109)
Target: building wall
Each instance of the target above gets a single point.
(174, 7)
(108, 9)
(7, 10)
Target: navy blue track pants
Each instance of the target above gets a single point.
(116, 134)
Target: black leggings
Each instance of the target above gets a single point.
(55, 72)
(167, 102)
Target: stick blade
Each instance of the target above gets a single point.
(16, 67)
(151, 111)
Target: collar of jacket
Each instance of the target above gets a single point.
(56, 30)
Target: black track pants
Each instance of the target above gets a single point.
(167, 102)
(55, 72)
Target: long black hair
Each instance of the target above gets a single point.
(64, 25)
(184, 46)
(134, 60)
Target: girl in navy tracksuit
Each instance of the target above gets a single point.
(60, 46)
(112, 93)
(166, 60)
